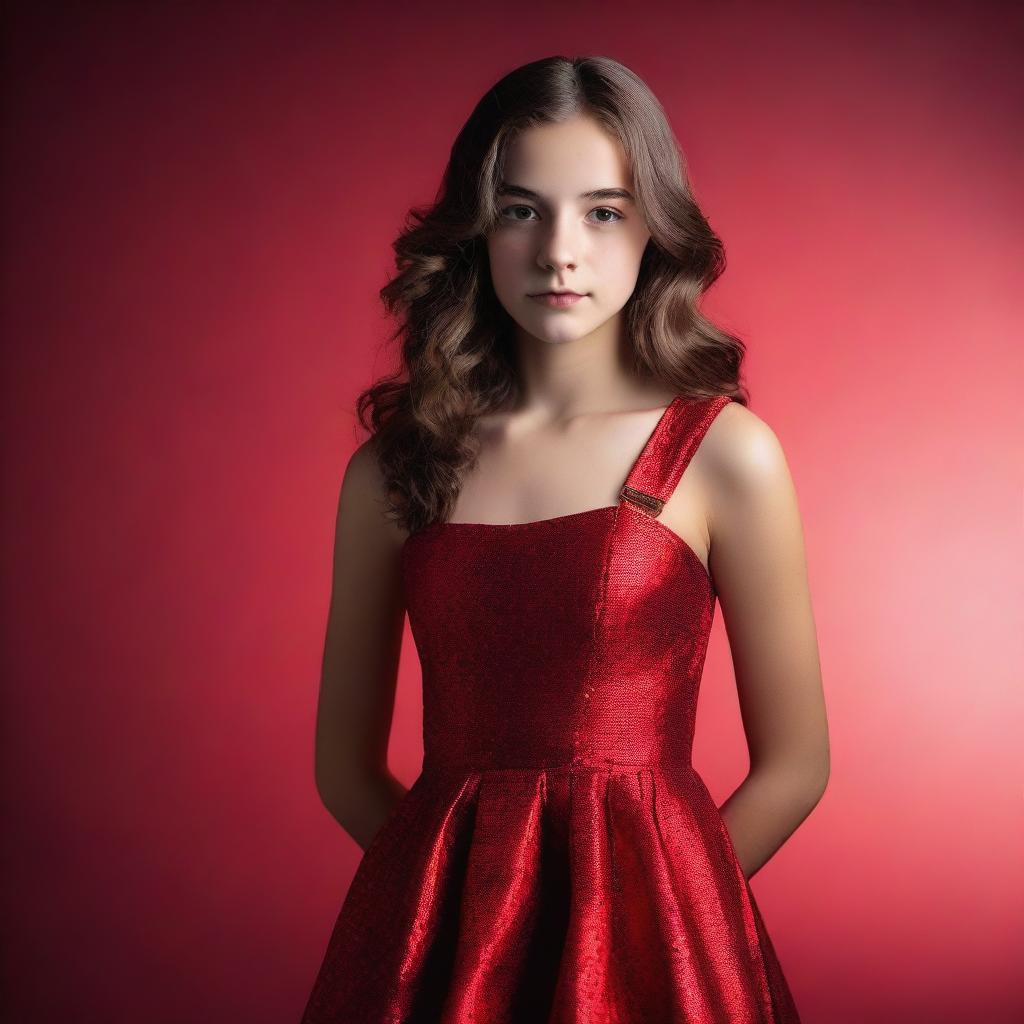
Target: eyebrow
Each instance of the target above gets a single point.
(505, 189)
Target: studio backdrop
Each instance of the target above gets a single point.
(199, 201)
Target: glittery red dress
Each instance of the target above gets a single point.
(558, 860)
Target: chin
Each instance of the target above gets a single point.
(561, 334)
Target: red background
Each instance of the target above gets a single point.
(198, 211)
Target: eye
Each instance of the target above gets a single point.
(608, 209)
(507, 209)
(615, 215)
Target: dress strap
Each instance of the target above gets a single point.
(668, 451)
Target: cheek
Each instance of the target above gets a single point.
(620, 264)
(501, 256)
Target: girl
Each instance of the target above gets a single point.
(560, 485)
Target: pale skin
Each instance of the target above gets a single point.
(566, 447)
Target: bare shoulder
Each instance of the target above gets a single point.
(363, 477)
(753, 518)
(362, 503)
(741, 454)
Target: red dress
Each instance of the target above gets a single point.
(558, 860)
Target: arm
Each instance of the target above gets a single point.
(758, 562)
(360, 661)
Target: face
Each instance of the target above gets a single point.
(553, 236)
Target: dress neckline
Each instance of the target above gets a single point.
(439, 527)
(631, 476)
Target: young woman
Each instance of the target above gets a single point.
(561, 483)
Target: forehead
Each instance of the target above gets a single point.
(567, 157)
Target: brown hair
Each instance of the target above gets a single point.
(456, 338)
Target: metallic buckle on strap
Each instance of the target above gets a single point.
(647, 502)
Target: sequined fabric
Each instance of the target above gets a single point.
(558, 859)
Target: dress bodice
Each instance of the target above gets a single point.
(567, 641)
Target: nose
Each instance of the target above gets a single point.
(558, 246)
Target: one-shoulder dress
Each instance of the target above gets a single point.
(558, 860)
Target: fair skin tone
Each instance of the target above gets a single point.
(567, 447)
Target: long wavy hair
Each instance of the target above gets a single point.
(457, 358)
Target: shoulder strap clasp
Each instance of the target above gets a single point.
(647, 502)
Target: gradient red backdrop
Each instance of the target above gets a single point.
(199, 202)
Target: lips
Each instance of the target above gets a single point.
(558, 300)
